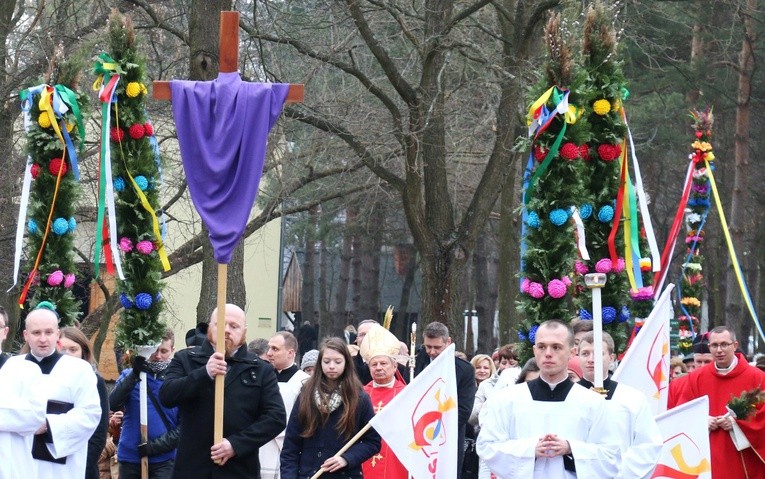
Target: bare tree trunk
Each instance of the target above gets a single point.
(309, 275)
(400, 325)
(340, 316)
(369, 255)
(324, 282)
(735, 314)
(485, 292)
(509, 259)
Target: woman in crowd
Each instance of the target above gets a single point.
(74, 343)
(331, 409)
(529, 372)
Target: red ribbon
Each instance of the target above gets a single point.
(674, 231)
(618, 210)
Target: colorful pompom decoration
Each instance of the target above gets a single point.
(69, 280)
(125, 301)
(137, 131)
(117, 134)
(609, 314)
(585, 211)
(55, 165)
(584, 151)
(55, 278)
(72, 224)
(60, 226)
(143, 301)
(558, 217)
(119, 184)
(585, 315)
(642, 294)
(536, 290)
(148, 128)
(144, 247)
(158, 297)
(601, 107)
(624, 315)
(525, 285)
(532, 219)
(533, 333)
(606, 214)
(521, 337)
(556, 288)
(125, 245)
(581, 267)
(133, 89)
(604, 266)
(620, 265)
(609, 152)
(43, 120)
(540, 153)
(35, 171)
(32, 226)
(142, 182)
(566, 280)
(645, 264)
(569, 151)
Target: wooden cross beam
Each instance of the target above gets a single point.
(229, 60)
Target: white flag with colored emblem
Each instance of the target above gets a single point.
(685, 453)
(420, 423)
(645, 366)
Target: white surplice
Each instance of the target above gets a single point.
(22, 412)
(512, 423)
(641, 438)
(269, 452)
(71, 381)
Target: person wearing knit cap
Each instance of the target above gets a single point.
(309, 361)
(701, 354)
(574, 369)
(380, 349)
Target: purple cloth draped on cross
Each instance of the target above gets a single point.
(223, 128)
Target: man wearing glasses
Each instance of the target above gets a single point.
(729, 375)
(3, 334)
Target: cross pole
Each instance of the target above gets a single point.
(228, 63)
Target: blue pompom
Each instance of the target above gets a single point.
(625, 314)
(532, 219)
(142, 182)
(158, 297)
(606, 214)
(119, 184)
(72, 224)
(585, 315)
(609, 314)
(533, 333)
(32, 226)
(585, 211)
(60, 226)
(558, 217)
(521, 336)
(143, 301)
(125, 300)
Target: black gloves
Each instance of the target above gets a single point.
(139, 365)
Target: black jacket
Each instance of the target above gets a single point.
(98, 439)
(466, 389)
(253, 412)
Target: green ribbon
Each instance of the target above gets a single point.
(70, 98)
(543, 166)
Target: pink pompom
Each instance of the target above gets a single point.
(581, 267)
(525, 285)
(536, 290)
(126, 245)
(55, 278)
(69, 280)
(566, 280)
(604, 266)
(556, 288)
(145, 247)
(620, 265)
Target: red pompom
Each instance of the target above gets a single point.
(609, 152)
(540, 153)
(137, 131)
(55, 165)
(699, 134)
(569, 151)
(35, 170)
(148, 128)
(584, 151)
(117, 134)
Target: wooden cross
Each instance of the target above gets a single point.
(229, 62)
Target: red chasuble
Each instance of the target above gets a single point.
(384, 464)
(726, 460)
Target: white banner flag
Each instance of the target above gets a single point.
(420, 423)
(685, 454)
(645, 366)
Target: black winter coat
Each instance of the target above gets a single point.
(253, 412)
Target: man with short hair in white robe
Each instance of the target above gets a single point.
(69, 390)
(548, 428)
(22, 410)
(641, 438)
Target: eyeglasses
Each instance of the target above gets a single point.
(720, 345)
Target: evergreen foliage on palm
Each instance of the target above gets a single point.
(548, 260)
(56, 272)
(133, 156)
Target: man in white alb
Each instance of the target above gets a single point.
(548, 428)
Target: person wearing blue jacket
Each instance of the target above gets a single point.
(163, 426)
(331, 409)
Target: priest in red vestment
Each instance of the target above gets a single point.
(729, 375)
(380, 349)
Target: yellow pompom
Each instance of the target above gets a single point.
(709, 156)
(645, 263)
(69, 127)
(601, 107)
(43, 120)
(144, 90)
(133, 89)
(617, 105)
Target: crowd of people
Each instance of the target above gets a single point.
(293, 403)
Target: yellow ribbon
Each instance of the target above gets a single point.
(539, 102)
(627, 215)
(573, 114)
(46, 106)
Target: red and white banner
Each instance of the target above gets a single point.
(686, 453)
